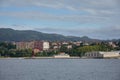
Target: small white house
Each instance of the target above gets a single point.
(62, 55)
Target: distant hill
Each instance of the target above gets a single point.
(7, 34)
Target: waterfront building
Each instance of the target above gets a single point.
(111, 54)
(100, 54)
(35, 51)
(96, 54)
(62, 55)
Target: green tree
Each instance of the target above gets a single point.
(63, 48)
(84, 49)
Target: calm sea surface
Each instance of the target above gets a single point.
(59, 69)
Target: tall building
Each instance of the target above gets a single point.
(24, 45)
(46, 45)
(37, 45)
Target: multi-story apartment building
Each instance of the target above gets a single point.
(24, 45)
(37, 45)
(46, 45)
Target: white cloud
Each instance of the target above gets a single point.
(110, 32)
(17, 27)
(96, 9)
(36, 15)
(102, 12)
(76, 4)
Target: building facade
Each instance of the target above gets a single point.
(34, 45)
(24, 45)
(46, 45)
(62, 55)
(93, 55)
(100, 54)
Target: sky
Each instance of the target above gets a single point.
(99, 19)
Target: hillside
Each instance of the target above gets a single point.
(7, 34)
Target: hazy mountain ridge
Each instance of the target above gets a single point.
(8, 34)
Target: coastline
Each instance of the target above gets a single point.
(53, 58)
(39, 58)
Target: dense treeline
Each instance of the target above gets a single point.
(84, 49)
(9, 50)
(81, 50)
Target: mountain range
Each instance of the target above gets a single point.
(8, 34)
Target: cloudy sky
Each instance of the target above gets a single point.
(94, 18)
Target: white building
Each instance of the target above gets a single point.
(93, 55)
(69, 47)
(112, 44)
(62, 55)
(111, 54)
(46, 45)
(64, 43)
(100, 54)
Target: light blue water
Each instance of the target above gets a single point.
(59, 69)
